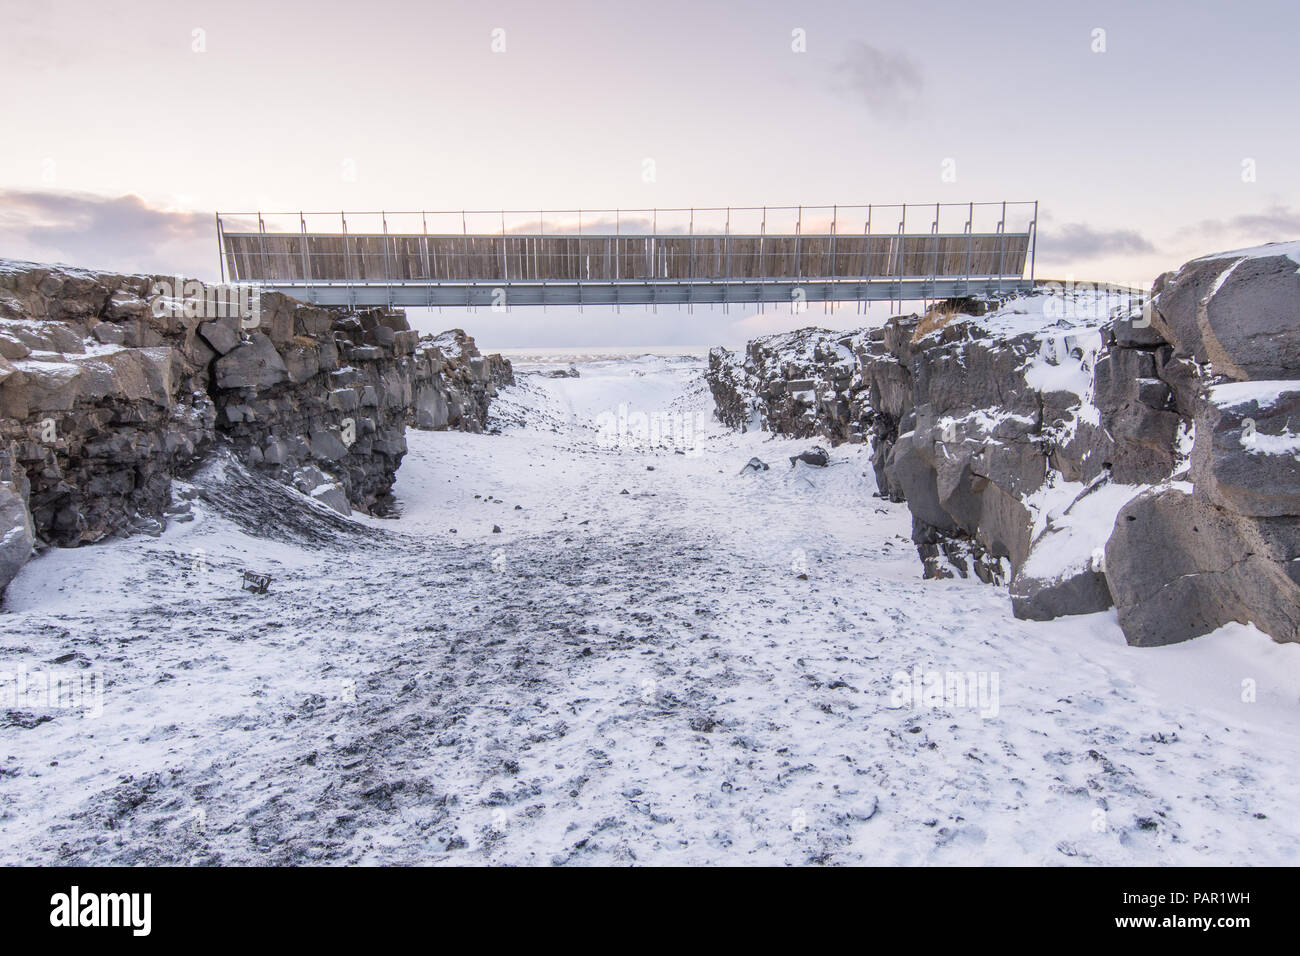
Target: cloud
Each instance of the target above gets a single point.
(889, 84)
(121, 233)
(1277, 223)
(1077, 240)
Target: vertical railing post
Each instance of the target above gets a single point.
(798, 234)
(690, 271)
(902, 258)
(505, 264)
(866, 247)
(580, 266)
(464, 254)
(1002, 247)
(970, 241)
(835, 222)
(934, 231)
(261, 246)
(221, 250)
(726, 250)
(388, 268)
(347, 256)
(306, 263)
(424, 253)
(656, 252)
(1033, 243)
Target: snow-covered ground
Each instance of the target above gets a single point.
(706, 669)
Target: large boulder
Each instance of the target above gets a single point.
(16, 535)
(1064, 573)
(911, 471)
(977, 421)
(252, 364)
(1076, 591)
(1178, 567)
(1247, 452)
(1141, 424)
(221, 334)
(1239, 311)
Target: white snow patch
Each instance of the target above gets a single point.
(1264, 393)
(1290, 249)
(1079, 527)
(1259, 443)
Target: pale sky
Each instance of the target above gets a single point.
(126, 125)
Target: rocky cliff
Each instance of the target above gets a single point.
(1084, 452)
(807, 383)
(111, 385)
(462, 383)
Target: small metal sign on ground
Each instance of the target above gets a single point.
(257, 583)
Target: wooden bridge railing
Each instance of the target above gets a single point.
(254, 257)
(838, 253)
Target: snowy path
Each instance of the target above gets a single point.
(639, 678)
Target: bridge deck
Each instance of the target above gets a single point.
(508, 295)
(526, 268)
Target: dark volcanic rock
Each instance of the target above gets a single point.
(1237, 311)
(1036, 599)
(815, 456)
(111, 385)
(1140, 420)
(1065, 573)
(804, 384)
(1179, 567)
(453, 383)
(1247, 452)
(253, 364)
(1044, 417)
(16, 538)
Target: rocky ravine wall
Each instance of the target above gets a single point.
(107, 392)
(1087, 455)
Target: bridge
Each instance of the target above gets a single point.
(745, 255)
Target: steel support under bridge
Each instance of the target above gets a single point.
(716, 255)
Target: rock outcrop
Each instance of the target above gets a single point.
(1223, 546)
(805, 384)
(460, 383)
(112, 385)
(1179, 566)
(1074, 446)
(970, 416)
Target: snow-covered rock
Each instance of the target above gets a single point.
(1023, 438)
(806, 383)
(112, 385)
(1237, 311)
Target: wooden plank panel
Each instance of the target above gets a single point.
(603, 258)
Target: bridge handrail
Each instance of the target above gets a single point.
(625, 209)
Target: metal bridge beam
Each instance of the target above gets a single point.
(414, 294)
